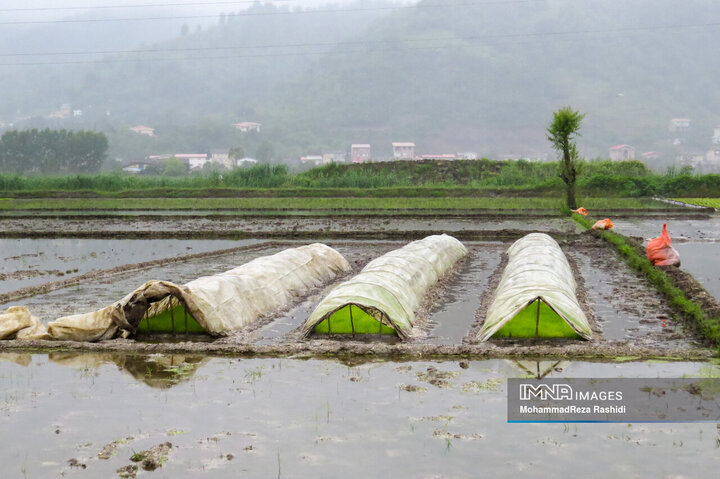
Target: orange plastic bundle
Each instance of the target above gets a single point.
(580, 211)
(605, 224)
(660, 250)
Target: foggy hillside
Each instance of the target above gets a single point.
(493, 81)
(450, 76)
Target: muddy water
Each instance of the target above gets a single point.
(697, 241)
(624, 305)
(315, 418)
(279, 225)
(451, 320)
(30, 262)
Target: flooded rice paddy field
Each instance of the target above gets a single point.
(622, 307)
(85, 416)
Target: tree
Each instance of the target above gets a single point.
(561, 133)
(174, 167)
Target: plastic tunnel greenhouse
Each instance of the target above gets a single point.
(536, 297)
(217, 305)
(383, 297)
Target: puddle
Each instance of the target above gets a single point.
(30, 262)
(319, 418)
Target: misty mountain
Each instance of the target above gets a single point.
(450, 76)
(492, 82)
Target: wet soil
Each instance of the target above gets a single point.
(127, 251)
(278, 227)
(233, 417)
(29, 262)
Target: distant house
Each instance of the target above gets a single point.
(693, 159)
(650, 155)
(716, 136)
(222, 158)
(679, 125)
(446, 157)
(136, 167)
(467, 155)
(712, 160)
(159, 158)
(403, 151)
(64, 112)
(143, 130)
(360, 153)
(195, 161)
(246, 126)
(622, 153)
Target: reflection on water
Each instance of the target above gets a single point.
(157, 371)
(261, 417)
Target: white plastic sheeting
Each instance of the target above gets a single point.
(536, 269)
(221, 304)
(391, 287)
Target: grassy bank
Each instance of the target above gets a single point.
(471, 203)
(634, 255)
(706, 202)
(388, 179)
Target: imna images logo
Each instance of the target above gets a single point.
(545, 392)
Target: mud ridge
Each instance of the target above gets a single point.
(465, 235)
(567, 349)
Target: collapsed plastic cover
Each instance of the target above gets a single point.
(538, 290)
(219, 304)
(661, 252)
(386, 293)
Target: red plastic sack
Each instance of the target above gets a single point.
(605, 224)
(580, 211)
(660, 250)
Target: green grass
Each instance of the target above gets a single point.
(707, 202)
(483, 203)
(707, 327)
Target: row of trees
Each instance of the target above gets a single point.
(52, 151)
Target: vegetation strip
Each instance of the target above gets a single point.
(393, 178)
(326, 203)
(55, 285)
(704, 322)
(355, 351)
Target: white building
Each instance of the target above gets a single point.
(246, 126)
(360, 153)
(622, 153)
(403, 151)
